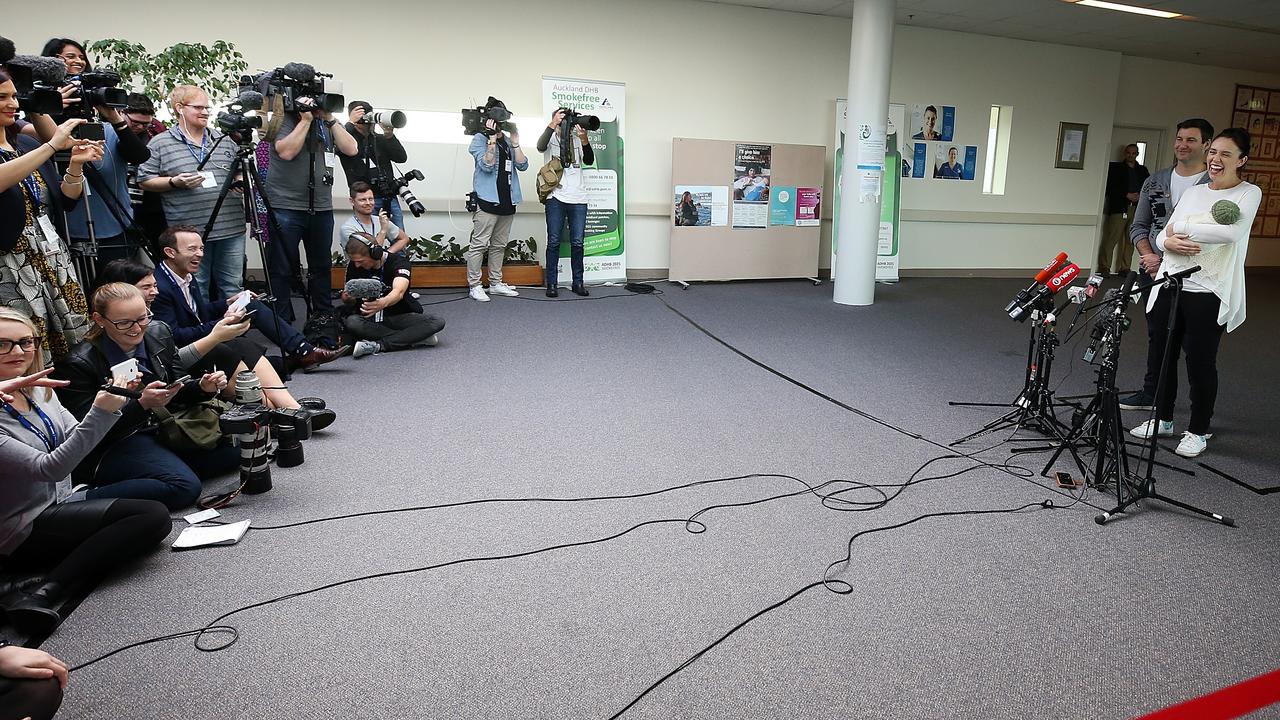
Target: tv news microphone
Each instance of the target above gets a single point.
(1041, 277)
(1059, 280)
(1091, 287)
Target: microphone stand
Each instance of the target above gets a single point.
(1146, 486)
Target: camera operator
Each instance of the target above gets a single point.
(108, 202)
(496, 185)
(375, 152)
(381, 228)
(394, 321)
(189, 194)
(182, 303)
(148, 210)
(299, 186)
(567, 203)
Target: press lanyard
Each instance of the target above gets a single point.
(51, 440)
(372, 224)
(29, 183)
(204, 138)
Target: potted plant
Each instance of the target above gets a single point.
(214, 68)
(438, 262)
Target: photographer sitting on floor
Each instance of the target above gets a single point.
(381, 227)
(394, 319)
(183, 304)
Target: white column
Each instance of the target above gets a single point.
(870, 54)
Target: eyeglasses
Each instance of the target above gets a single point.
(127, 324)
(199, 108)
(27, 344)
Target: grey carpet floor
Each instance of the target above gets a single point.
(1037, 614)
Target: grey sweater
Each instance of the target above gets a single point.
(30, 473)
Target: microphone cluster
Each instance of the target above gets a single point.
(1055, 276)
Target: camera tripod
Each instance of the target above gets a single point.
(1112, 462)
(1033, 409)
(246, 165)
(85, 254)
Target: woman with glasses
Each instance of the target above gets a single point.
(42, 530)
(36, 276)
(108, 207)
(189, 166)
(133, 462)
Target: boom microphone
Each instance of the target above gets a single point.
(250, 100)
(364, 288)
(7, 50)
(1025, 295)
(301, 72)
(36, 68)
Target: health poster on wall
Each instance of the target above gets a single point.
(954, 162)
(933, 122)
(897, 149)
(604, 245)
(701, 206)
(782, 205)
(752, 166)
(808, 206)
(919, 159)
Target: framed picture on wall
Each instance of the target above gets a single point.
(1071, 144)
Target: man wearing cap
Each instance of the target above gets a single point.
(372, 161)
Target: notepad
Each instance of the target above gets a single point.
(194, 537)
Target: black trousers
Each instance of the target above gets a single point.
(78, 543)
(1197, 334)
(36, 699)
(395, 332)
(1155, 346)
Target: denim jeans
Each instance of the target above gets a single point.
(224, 260)
(558, 213)
(392, 206)
(265, 321)
(315, 232)
(142, 468)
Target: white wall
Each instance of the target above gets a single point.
(1157, 93)
(689, 73)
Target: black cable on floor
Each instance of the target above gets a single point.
(856, 411)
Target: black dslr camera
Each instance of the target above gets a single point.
(473, 119)
(391, 186)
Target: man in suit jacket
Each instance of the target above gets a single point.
(184, 305)
(1124, 183)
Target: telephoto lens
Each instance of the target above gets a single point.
(250, 425)
(248, 388)
(298, 418)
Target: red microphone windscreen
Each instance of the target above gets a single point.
(1049, 269)
(1064, 277)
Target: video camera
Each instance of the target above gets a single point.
(234, 122)
(473, 119)
(293, 82)
(96, 88)
(37, 80)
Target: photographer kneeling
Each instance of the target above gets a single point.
(394, 320)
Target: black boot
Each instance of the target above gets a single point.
(553, 291)
(580, 289)
(35, 611)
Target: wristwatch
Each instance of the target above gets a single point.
(330, 123)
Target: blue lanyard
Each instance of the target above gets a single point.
(30, 182)
(51, 440)
(204, 138)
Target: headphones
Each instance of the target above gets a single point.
(376, 251)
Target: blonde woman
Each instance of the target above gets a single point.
(72, 543)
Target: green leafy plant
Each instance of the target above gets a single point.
(214, 68)
(436, 249)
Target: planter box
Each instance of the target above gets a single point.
(429, 275)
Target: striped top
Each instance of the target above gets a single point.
(172, 153)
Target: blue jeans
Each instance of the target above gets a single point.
(315, 232)
(558, 213)
(265, 322)
(139, 466)
(392, 206)
(224, 260)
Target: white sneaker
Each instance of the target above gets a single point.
(365, 347)
(498, 288)
(477, 293)
(1192, 444)
(1143, 431)
(432, 341)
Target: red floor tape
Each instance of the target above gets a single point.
(1229, 702)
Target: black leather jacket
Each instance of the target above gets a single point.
(88, 368)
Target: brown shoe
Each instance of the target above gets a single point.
(315, 358)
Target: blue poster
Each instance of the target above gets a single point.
(919, 152)
(948, 122)
(782, 205)
(970, 161)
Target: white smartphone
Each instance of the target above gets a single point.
(241, 301)
(125, 371)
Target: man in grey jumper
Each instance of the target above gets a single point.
(1159, 194)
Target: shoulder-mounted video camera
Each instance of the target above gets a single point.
(295, 81)
(474, 119)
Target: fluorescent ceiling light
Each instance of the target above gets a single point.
(1128, 8)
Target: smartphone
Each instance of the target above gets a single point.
(125, 371)
(178, 382)
(246, 315)
(1066, 481)
(241, 301)
(89, 131)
